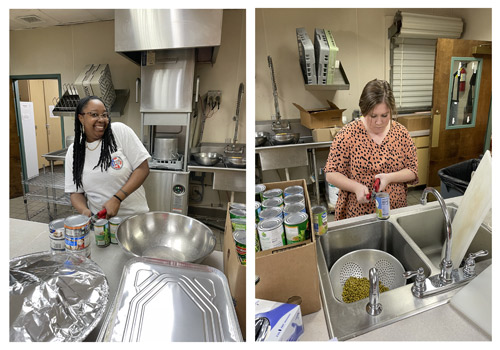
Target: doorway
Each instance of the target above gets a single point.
(34, 130)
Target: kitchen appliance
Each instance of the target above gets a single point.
(166, 44)
(166, 236)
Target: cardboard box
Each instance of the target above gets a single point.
(290, 273)
(325, 134)
(235, 274)
(415, 122)
(322, 117)
(285, 320)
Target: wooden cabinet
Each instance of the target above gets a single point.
(422, 143)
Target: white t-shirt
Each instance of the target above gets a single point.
(100, 186)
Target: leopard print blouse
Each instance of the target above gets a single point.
(354, 154)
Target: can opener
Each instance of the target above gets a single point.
(376, 186)
(99, 215)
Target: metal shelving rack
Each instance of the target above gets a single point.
(47, 187)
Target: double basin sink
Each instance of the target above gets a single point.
(416, 239)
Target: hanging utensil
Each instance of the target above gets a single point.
(277, 124)
(241, 90)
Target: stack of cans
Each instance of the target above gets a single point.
(238, 215)
(283, 218)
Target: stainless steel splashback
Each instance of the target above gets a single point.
(139, 30)
(167, 80)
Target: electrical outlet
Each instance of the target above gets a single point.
(214, 97)
(195, 189)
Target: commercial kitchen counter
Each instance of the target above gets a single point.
(440, 323)
(26, 237)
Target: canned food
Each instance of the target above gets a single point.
(258, 209)
(293, 190)
(240, 239)
(272, 202)
(240, 206)
(271, 233)
(101, 233)
(237, 214)
(382, 205)
(294, 198)
(56, 235)
(320, 219)
(257, 241)
(114, 222)
(294, 208)
(275, 192)
(76, 234)
(239, 224)
(296, 228)
(259, 190)
(271, 213)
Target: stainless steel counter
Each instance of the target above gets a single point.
(26, 237)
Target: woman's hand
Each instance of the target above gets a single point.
(112, 206)
(361, 192)
(385, 180)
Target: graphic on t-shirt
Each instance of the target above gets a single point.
(116, 163)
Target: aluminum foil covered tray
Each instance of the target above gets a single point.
(55, 297)
(161, 300)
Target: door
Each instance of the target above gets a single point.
(451, 146)
(15, 168)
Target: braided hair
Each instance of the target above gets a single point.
(108, 144)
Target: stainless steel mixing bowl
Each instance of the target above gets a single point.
(261, 137)
(207, 158)
(235, 162)
(285, 138)
(166, 236)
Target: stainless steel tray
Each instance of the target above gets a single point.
(161, 300)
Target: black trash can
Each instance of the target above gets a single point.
(455, 178)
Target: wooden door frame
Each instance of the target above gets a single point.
(17, 106)
(459, 145)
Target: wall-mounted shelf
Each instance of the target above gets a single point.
(66, 106)
(340, 82)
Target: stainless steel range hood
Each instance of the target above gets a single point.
(138, 30)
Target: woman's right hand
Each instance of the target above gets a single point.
(361, 192)
(87, 212)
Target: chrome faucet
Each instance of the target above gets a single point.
(446, 263)
(373, 307)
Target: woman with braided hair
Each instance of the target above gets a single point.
(106, 165)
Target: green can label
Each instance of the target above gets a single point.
(101, 233)
(257, 240)
(237, 214)
(320, 220)
(296, 228)
(239, 224)
(241, 246)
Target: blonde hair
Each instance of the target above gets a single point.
(375, 92)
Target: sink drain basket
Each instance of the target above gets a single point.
(358, 264)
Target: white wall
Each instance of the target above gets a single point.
(360, 34)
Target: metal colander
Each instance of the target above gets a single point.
(358, 264)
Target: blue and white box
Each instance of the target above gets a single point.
(284, 320)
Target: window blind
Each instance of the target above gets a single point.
(413, 49)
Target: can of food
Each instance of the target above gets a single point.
(114, 222)
(275, 192)
(319, 219)
(240, 206)
(259, 190)
(240, 239)
(258, 209)
(237, 214)
(271, 233)
(296, 228)
(271, 213)
(293, 190)
(294, 198)
(257, 240)
(294, 208)
(239, 224)
(56, 235)
(382, 205)
(101, 233)
(76, 234)
(272, 202)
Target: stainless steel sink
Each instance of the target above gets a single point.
(415, 238)
(427, 230)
